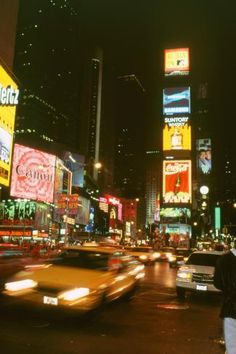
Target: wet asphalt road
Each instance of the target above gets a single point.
(154, 322)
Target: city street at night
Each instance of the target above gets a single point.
(155, 321)
(117, 177)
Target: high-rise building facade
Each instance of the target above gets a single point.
(130, 137)
(8, 21)
(47, 65)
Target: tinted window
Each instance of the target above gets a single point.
(203, 259)
(182, 252)
(81, 259)
(141, 249)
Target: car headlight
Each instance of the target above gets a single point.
(74, 294)
(184, 275)
(143, 256)
(156, 255)
(20, 285)
(172, 259)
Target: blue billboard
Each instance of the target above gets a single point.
(176, 100)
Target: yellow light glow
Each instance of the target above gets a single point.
(20, 285)
(74, 294)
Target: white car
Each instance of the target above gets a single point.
(197, 273)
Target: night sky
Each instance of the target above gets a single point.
(134, 33)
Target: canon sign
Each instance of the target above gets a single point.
(39, 173)
(8, 96)
(33, 174)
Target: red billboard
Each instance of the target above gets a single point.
(177, 181)
(33, 174)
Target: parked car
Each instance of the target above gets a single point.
(80, 278)
(197, 273)
(179, 258)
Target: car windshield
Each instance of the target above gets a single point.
(167, 249)
(203, 259)
(182, 252)
(82, 259)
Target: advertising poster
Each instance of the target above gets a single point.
(82, 216)
(41, 216)
(180, 214)
(176, 61)
(204, 165)
(176, 134)
(18, 212)
(177, 182)
(33, 174)
(75, 163)
(176, 100)
(9, 95)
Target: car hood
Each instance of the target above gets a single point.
(198, 269)
(67, 277)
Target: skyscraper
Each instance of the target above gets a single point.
(129, 176)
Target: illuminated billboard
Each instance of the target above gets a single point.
(177, 134)
(33, 174)
(181, 214)
(75, 163)
(176, 100)
(204, 156)
(9, 94)
(176, 61)
(177, 182)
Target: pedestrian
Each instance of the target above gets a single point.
(225, 280)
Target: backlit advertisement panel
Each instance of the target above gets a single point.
(33, 174)
(176, 100)
(204, 156)
(176, 61)
(176, 134)
(8, 100)
(75, 163)
(177, 182)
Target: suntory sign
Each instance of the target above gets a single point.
(9, 96)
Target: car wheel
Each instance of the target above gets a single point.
(130, 294)
(180, 293)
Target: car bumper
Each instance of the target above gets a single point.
(198, 287)
(41, 300)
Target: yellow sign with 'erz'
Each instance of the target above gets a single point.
(9, 95)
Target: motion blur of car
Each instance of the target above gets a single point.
(197, 273)
(179, 257)
(165, 253)
(80, 278)
(145, 254)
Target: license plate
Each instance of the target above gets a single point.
(50, 300)
(202, 287)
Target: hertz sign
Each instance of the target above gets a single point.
(9, 96)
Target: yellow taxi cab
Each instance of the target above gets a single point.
(80, 278)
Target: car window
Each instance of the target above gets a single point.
(141, 249)
(182, 252)
(81, 259)
(203, 259)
